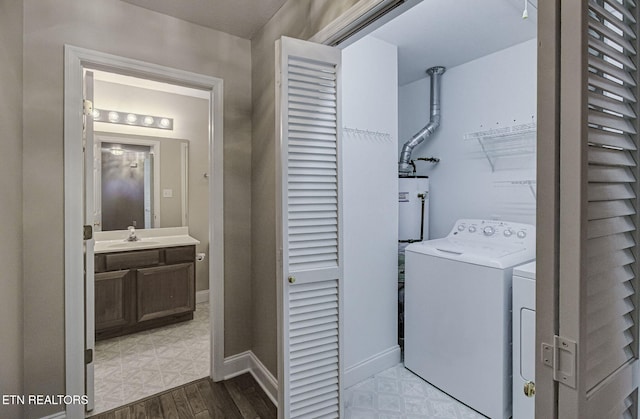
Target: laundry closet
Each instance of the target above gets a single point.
(478, 163)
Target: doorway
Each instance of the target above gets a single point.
(477, 92)
(141, 176)
(76, 62)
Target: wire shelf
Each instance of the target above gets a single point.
(510, 141)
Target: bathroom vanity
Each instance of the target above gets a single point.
(143, 284)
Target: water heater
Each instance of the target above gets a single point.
(413, 211)
(413, 225)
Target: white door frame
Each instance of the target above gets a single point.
(76, 59)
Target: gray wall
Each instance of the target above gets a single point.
(11, 358)
(119, 28)
(299, 19)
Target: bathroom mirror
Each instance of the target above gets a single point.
(140, 181)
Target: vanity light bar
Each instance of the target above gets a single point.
(135, 119)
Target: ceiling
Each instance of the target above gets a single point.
(241, 18)
(434, 32)
(450, 33)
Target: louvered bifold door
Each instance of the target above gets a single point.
(598, 304)
(310, 278)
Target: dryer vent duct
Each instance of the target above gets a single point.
(405, 168)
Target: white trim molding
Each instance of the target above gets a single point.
(359, 20)
(202, 296)
(371, 366)
(75, 61)
(59, 415)
(248, 362)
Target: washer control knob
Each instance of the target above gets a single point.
(522, 234)
(508, 232)
(461, 227)
(472, 229)
(488, 231)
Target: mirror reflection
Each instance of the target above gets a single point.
(140, 182)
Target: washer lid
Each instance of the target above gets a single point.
(527, 270)
(475, 252)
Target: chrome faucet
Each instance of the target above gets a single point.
(132, 234)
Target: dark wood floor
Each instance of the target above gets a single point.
(240, 397)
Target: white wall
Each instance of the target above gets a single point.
(494, 91)
(370, 190)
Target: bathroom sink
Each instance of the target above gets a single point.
(129, 245)
(115, 241)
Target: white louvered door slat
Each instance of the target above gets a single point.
(598, 260)
(310, 278)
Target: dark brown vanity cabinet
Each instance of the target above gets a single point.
(142, 289)
(114, 299)
(164, 291)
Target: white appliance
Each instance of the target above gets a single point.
(413, 225)
(413, 209)
(524, 339)
(458, 310)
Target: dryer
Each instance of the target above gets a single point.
(458, 310)
(524, 339)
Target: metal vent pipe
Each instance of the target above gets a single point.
(404, 165)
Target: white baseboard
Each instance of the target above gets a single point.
(202, 296)
(264, 377)
(60, 415)
(371, 366)
(247, 362)
(236, 365)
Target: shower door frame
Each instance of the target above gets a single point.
(76, 60)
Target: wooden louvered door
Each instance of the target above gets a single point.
(309, 230)
(598, 197)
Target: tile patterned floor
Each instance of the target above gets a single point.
(398, 393)
(128, 368)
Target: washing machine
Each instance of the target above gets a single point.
(458, 310)
(524, 340)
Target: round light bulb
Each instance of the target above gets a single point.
(113, 116)
(117, 151)
(164, 122)
(96, 114)
(131, 118)
(147, 120)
